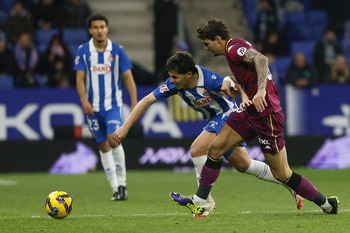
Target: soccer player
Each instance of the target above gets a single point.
(102, 68)
(263, 118)
(201, 90)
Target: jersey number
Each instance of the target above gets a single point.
(93, 125)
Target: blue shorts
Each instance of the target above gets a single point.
(103, 123)
(215, 124)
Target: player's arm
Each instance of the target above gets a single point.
(128, 81)
(231, 87)
(87, 107)
(261, 66)
(135, 114)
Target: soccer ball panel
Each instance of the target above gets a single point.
(58, 204)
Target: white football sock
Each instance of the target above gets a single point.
(110, 169)
(199, 201)
(119, 160)
(261, 170)
(326, 206)
(198, 163)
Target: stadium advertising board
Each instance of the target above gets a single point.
(321, 110)
(32, 114)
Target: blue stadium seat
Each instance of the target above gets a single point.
(282, 63)
(299, 28)
(73, 49)
(76, 36)
(3, 17)
(7, 82)
(318, 17)
(6, 5)
(318, 21)
(43, 38)
(307, 47)
(296, 17)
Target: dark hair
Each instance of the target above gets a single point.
(181, 63)
(213, 27)
(96, 17)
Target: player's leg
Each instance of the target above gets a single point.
(113, 119)
(241, 161)
(226, 140)
(199, 153)
(273, 146)
(280, 169)
(98, 127)
(108, 165)
(119, 162)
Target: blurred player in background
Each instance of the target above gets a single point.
(201, 90)
(102, 68)
(263, 118)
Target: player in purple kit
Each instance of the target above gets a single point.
(102, 68)
(261, 117)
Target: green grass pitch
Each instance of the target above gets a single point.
(244, 204)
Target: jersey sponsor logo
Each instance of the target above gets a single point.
(241, 51)
(213, 76)
(77, 60)
(265, 142)
(202, 101)
(101, 69)
(163, 88)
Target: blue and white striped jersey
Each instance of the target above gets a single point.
(206, 98)
(104, 71)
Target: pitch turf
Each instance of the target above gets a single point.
(244, 204)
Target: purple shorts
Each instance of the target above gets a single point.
(268, 129)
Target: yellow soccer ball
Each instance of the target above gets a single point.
(58, 204)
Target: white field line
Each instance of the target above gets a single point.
(8, 182)
(168, 214)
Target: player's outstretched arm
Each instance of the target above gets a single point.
(261, 66)
(128, 81)
(135, 114)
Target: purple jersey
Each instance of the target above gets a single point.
(246, 75)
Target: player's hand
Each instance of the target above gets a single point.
(259, 100)
(120, 134)
(87, 107)
(228, 89)
(246, 102)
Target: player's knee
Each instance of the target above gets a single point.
(241, 167)
(104, 147)
(281, 176)
(214, 150)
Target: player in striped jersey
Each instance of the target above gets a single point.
(102, 68)
(201, 90)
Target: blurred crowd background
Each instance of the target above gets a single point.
(307, 41)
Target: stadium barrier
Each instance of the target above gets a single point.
(141, 153)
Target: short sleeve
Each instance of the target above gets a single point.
(165, 90)
(79, 61)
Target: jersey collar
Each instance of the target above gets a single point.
(108, 47)
(200, 82)
(227, 42)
